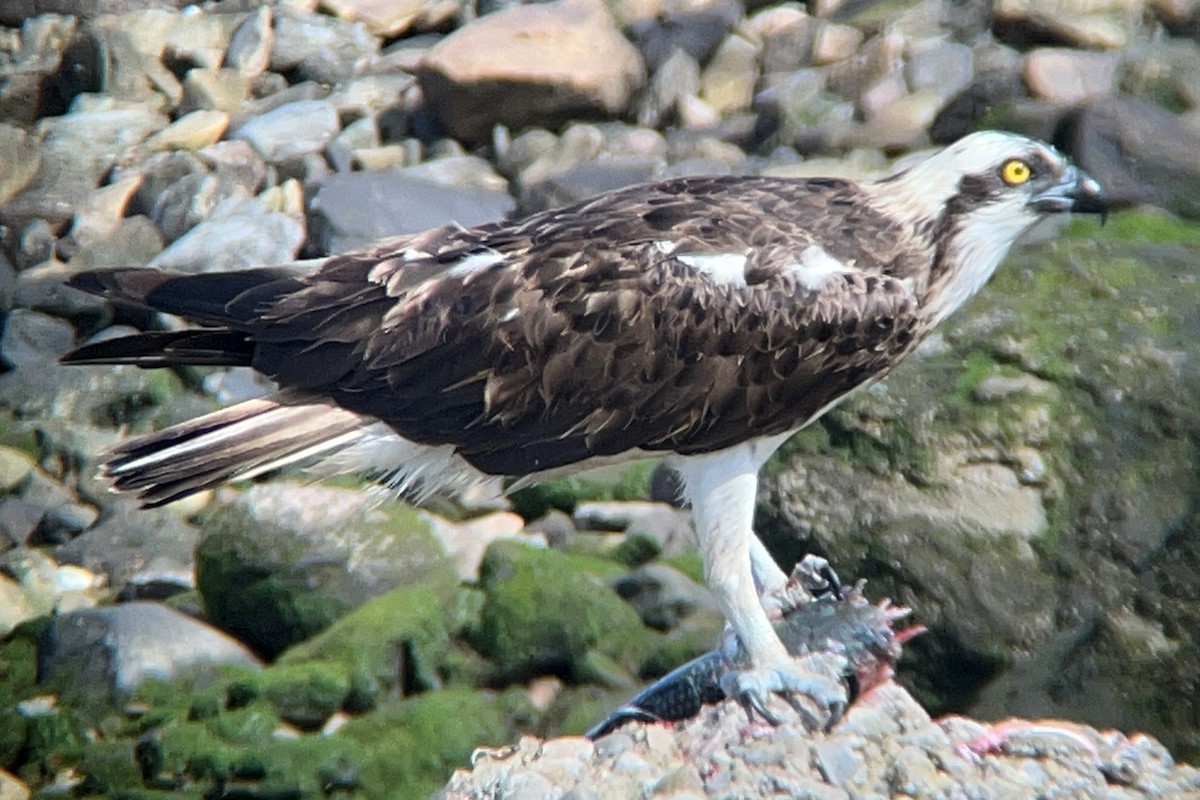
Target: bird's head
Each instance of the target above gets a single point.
(1012, 180)
(975, 198)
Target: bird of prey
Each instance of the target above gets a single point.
(704, 319)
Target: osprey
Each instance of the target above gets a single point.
(704, 319)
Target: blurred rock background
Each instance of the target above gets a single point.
(1027, 482)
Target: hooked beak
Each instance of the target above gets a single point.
(1076, 191)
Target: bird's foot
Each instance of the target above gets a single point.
(813, 686)
(811, 578)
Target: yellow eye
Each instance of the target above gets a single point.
(1015, 172)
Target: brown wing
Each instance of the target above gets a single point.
(581, 331)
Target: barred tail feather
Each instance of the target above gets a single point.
(238, 442)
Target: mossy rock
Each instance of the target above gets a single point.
(305, 695)
(285, 561)
(394, 643)
(544, 612)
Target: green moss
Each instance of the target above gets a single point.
(303, 694)
(690, 563)
(1136, 226)
(109, 768)
(635, 550)
(543, 613)
(394, 642)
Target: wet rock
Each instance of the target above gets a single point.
(291, 130)
(1069, 77)
(116, 649)
(356, 208)
(283, 561)
(549, 63)
(389, 19)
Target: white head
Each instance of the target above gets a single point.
(975, 198)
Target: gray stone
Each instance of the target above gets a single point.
(665, 524)
(20, 163)
(128, 539)
(1069, 77)
(249, 50)
(291, 130)
(357, 208)
(116, 649)
(320, 48)
(241, 232)
(14, 606)
(944, 67)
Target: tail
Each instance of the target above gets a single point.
(238, 442)
(245, 440)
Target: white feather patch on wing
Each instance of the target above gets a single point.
(476, 262)
(815, 267)
(728, 268)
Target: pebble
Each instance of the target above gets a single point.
(291, 130)
(15, 467)
(249, 50)
(192, 131)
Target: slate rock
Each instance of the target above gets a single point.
(117, 648)
(541, 64)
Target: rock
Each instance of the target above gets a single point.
(354, 209)
(320, 48)
(389, 19)
(549, 62)
(12, 788)
(1069, 77)
(223, 90)
(883, 745)
(282, 561)
(15, 607)
(249, 50)
(291, 130)
(728, 81)
(191, 131)
(20, 164)
(241, 232)
(666, 525)
(696, 29)
(543, 614)
(833, 42)
(1106, 24)
(946, 68)
(78, 150)
(99, 217)
(19, 520)
(663, 596)
(116, 649)
(465, 542)
(128, 541)
(1139, 152)
(15, 467)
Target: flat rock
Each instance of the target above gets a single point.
(117, 648)
(464, 542)
(538, 64)
(192, 131)
(354, 209)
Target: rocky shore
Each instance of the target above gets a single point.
(1027, 483)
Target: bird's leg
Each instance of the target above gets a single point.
(768, 576)
(723, 510)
